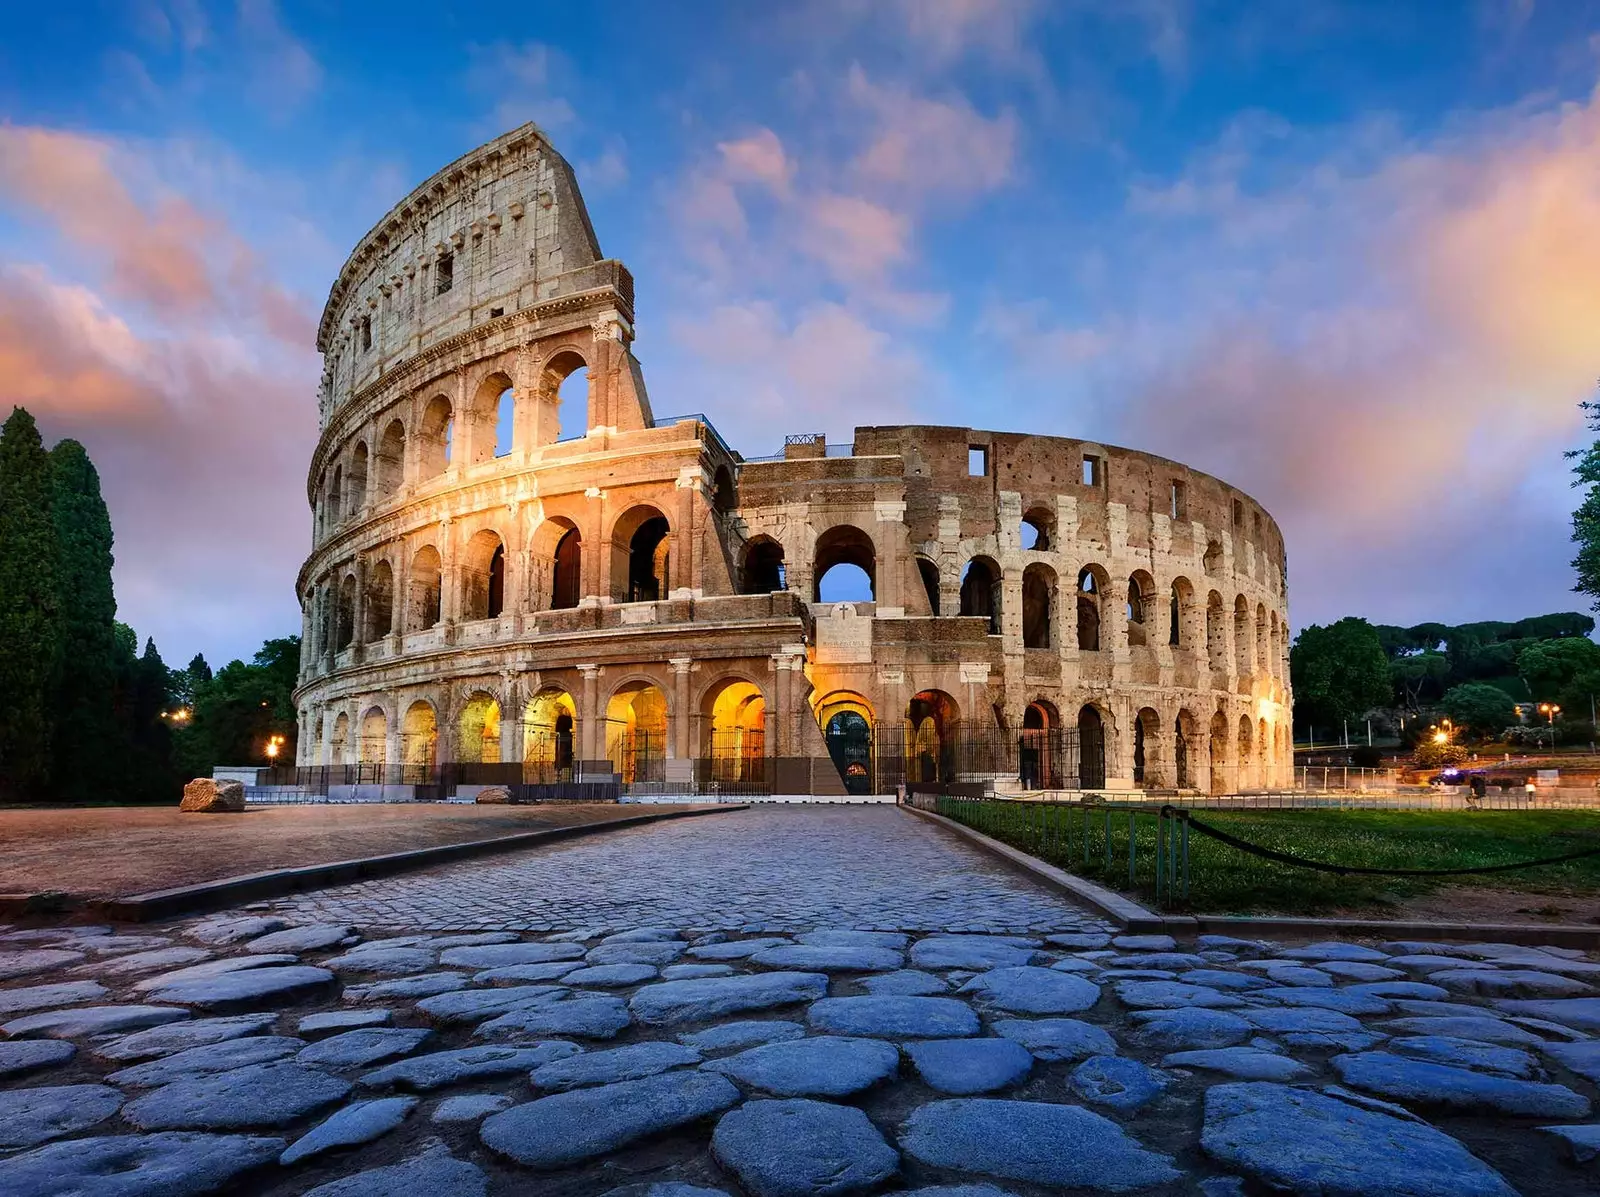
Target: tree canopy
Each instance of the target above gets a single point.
(1339, 671)
(29, 612)
(1481, 709)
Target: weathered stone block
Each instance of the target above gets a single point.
(208, 796)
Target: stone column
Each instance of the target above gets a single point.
(780, 705)
(889, 536)
(511, 705)
(393, 740)
(591, 744)
(358, 638)
(682, 717)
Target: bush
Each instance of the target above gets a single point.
(1366, 757)
(1429, 755)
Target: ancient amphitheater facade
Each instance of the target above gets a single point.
(521, 574)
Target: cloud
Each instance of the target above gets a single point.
(925, 147)
(282, 72)
(525, 79)
(758, 158)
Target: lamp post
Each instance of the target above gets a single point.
(274, 745)
(1549, 710)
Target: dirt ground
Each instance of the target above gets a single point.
(1480, 904)
(102, 852)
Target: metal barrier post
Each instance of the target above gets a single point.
(1161, 829)
(1186, 856)
(1133, 841)
(1108, 844)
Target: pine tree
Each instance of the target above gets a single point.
(84, 725)
(28, 611)
(151, 775)
(1586, 519)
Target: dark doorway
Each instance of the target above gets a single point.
(647, 561)
(849, 738)
(1091, 750)
(566, 581)
(497, 582)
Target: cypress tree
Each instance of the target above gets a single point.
(28, 610)
(85, 731)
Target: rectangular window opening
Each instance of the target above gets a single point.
(1238, 514)
(496, 313)
(444, 274)
(1256, 517)
(1094, 470)
(1180, 501)
(366, 333)
(977, 461)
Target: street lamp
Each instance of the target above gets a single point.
(1550, 711)
(274, 743)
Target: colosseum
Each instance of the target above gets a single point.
(521, 575)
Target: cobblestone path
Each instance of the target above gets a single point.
(253, 1052)
(783, 868)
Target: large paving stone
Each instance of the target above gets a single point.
(219, 932)
(1167, 960)
(475, 1005)
(802, 1148)
(1280, 972)
(30, 1055)
(1583, 1142)
(1414, 991)
(637, 953)
(438, 1069)
(35, 960)
(366, 1045)
(608, 1067)
(1583, 1058)
(434, 1172)
(312, 938)
(712, 997)
(357, 1123)
(1509, 983)
(826, 958)
(1484, 1029)
(1172, 995)
(906, 982)
(164, 1165)
(1144, 943)
(1028, 990)
(423, 985)
(48, 997)
(1425, 1082)
(733, 1036)
(821, 1066)
(1464, 1053)
(1190, 1029)
(588, 1016)
(343, 1020)
(1217, 978)
(259, 1095)
(1080, 941)
(1057, 1038)
(1117, 1082)
(502, 955)
(834, 937)
(29, 1117)
(525, 974)
(664, 1188)
(250, 989)
(1346, 1001)
(1355, 970)
(391, 961)
(1334, 950)
(151, 961)
(207, 1059)
(471, 1107)
(1582, 1013)
(90, 1020)
(471, 939)
(1279, 1021)
(894, 1017)
(1311, 1143)
(1243, 1063)
(645, 935)
(180, 1036)
(689, 972)
(963, 1067)
(213, 968)
(567, 1128)
(1037, 1142)
(611, 976)
(739, 949)
(978, 952)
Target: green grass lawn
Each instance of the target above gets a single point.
(1226, 880)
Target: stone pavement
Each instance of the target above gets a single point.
(784, 867)
(250, 1053)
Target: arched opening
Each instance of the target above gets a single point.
(555, 563)
(763, 570)
(724, 496)
(1141, 593)
(1263, 661)
(733, 740)
(483, 577)
(1246, 753)
(566, 571)
(374, 737)
(636, 732)
(1040, 747)
(1147, 749)
(505, 422)
(845, 566)
(356, 484)
(980, 591)
(1038, 528)
(932, 722)
(423, 590)
(1182, 599)
(345, 632)
(339, 745)
(549, 731)
(1216, 636)
(479, 742)
(929, 573)
(1089, 592)
(1038, 606)
(640, 556)
(336, 496)
(1274, 659)
(436, 438)
(1212, 561)
(1091, 748)
(1242, 639)
(391, 463)
(1218, 748)
(419, 734)
(564, 399)
(380, 603)
(1183, 731)
(1264, 754)
(846, 720)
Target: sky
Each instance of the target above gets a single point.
(1345, 256)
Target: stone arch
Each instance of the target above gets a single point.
(636, 731)
(423, 590)
(419, 739)
(391, 459)
(1038, 531)
(339, 744)
(1147, 770)
(981, 591)
(724, 491)
(554, 421)
(380, 603)
(761, 567)
(1140, 608)
(436, 436)
(1092, 584)
(848, 546)
(1038, 606)
(847, 721)
(483, 576)
(549, 735)
(1211, 563)
(1092, 747)
(356, 481)
(478, 738)
(374, 737)
(933, 723)
(1217, 750)
(1039, 746)
(1274, 654)
(345, 625)
(733, 729)
(1180, 616)
(556, 561)
(1216, 636)
(928, 571)
(1185, 740)
(336, 496)
(1263, 662)
(641, 543)
(1245, 756)
(492, 396)
(1242, 636)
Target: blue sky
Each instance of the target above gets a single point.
(1346, 256)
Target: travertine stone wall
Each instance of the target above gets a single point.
(453, 569)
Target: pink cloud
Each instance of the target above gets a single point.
(923, 145)
(758, 158)
(854, 237)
